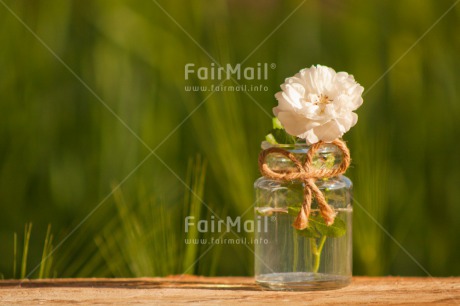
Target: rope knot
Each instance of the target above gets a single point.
(308, 175)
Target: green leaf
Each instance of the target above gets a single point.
(326, 161)
(293, 210)
(277, 124)
(317, 226)
(309, 232)
(337, 229)
(282, 137)
(270, 139)
(278, 134)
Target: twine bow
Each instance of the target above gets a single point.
(307, 174)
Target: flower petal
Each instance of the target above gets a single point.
(348, 121)
(295, 124)
(329, 131)
(286, 103)
(310, 137)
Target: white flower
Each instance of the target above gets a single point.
(318, 103)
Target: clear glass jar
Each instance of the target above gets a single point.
(316, 258)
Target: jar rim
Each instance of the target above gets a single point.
(299, 146)
(265, 145)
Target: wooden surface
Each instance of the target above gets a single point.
(179, 290)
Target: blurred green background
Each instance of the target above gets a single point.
(67, 162)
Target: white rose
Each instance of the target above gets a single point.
(318, 103)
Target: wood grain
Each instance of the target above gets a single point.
(176, 290)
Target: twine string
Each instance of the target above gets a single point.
(306, 173)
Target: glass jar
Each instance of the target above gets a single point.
(318, 257)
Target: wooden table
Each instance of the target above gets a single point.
(225, 290)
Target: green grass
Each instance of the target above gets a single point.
(44, 267)
(25, 249)
(148, 237)
(47, 256)
(62, 152)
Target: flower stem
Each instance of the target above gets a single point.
(316, 251)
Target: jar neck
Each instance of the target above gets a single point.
(328, 156)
